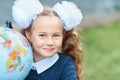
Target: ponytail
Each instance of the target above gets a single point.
(71, 47)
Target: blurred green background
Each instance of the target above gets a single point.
(101, 46)
(99, 33)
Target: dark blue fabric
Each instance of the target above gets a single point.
(63, 69)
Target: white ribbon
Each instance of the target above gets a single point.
(24, 11)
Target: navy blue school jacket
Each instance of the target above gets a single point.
(63, 69)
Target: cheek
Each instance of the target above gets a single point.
(37, 42)
(59, 43)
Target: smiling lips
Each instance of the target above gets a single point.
(49, 49)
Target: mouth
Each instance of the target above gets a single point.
(49, 49)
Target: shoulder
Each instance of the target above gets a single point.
(68, 67)
(64, 59)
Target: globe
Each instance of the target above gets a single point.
(15, 55)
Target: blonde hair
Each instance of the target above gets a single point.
(71, 44)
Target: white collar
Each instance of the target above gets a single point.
(44, 64)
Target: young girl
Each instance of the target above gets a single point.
(55, 44)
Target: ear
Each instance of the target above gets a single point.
(28, 35)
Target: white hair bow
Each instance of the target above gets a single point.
(24, 11)
(69, 13)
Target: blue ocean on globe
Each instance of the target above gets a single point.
(15, 55)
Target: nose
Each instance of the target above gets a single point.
(50, 41)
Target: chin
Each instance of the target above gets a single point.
(49, 55)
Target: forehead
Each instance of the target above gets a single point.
(45, 23)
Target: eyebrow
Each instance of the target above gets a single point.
(54, 32)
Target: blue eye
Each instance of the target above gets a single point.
(42, 36)
(56, 35)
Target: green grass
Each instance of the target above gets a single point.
(101, 47)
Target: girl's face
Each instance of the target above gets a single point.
(46, 37)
